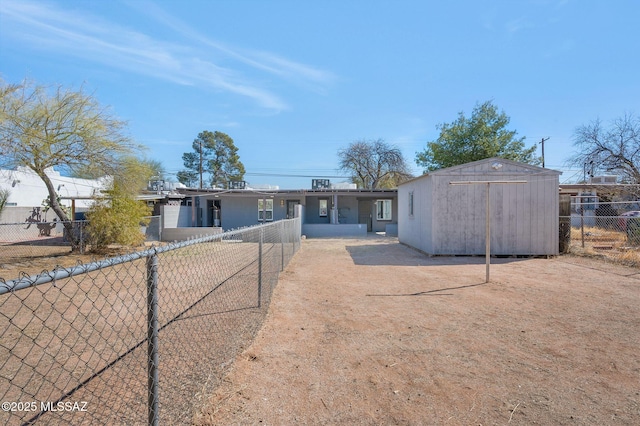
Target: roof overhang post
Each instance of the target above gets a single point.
(334, 209)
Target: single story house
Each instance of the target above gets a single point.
(325, 212)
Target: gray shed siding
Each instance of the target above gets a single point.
(416, 230)
(524, 217)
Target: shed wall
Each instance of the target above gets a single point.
(524, 217)
(450, 219)
(416, 229)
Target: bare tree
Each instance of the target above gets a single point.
(374, 164)
(42, 128)
(614, 149)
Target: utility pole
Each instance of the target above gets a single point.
(542, 143)
(200, 168)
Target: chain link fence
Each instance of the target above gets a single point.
(28, 240)
(142, 338)
(608, 228)
(39, 239)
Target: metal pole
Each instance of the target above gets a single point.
(488, 213)
(488, 233)
(582, 219)
(152, 341)
(283, 227)
(260, 267)
(81, 224)
(200, 167)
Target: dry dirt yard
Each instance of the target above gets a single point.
(372, 332)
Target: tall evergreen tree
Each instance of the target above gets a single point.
(214, 156)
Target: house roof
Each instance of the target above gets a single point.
(285, 192)
(575, 189)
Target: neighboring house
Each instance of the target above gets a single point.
(586, 199)
(27, 193)
(324, 212)
(443, 219)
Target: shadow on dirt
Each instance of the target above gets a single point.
(396, 254)
(435, 292)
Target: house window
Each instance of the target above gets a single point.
(411, 203)
(324, 204)
(265, 209)
(384, 209)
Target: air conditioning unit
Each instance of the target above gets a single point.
(608, 179)
(320, 184)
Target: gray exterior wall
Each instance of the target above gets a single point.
(347, 209)
(175, 216)
(416, 230)
(450, 219)
(241, 211)
(312, 210)
(334, 230)
(238, 209)
(381, 225)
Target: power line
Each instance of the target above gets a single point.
(291, 175)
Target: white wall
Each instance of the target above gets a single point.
(26, 189)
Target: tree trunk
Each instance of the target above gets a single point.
(57, 209)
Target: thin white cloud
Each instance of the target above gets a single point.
(516, 25)
(262, 60)
(66, 32)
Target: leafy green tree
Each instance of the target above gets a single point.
(374, 164)
(53, 127)
(214, 154)
(611, 149)
(483, 135)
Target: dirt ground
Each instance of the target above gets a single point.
(372, 332)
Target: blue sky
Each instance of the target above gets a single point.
(292, 82)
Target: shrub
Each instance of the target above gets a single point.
(116, 220)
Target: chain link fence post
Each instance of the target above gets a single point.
(81, 237)
(261, 230)
(282, 239)
(152, 339)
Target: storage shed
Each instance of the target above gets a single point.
(439, 218)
